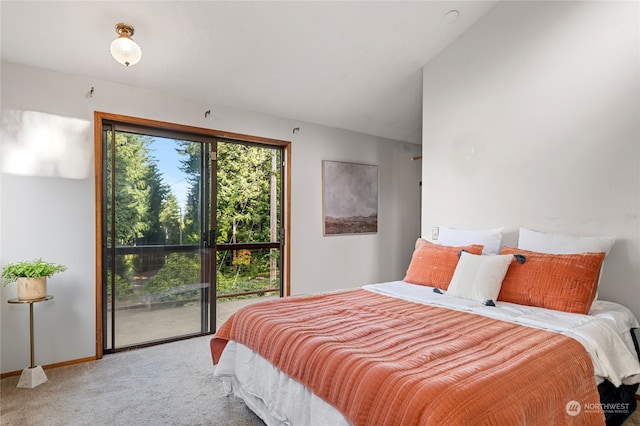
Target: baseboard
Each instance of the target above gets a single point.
(56, 365)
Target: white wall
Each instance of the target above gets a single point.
(532, 119)
(54, 217)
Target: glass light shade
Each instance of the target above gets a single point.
(126, 51)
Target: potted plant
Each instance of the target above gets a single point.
(31, 276)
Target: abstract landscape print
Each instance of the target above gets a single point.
(349, 198)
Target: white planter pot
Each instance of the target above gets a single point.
(32, 288)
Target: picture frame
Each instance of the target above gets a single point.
(349, 198)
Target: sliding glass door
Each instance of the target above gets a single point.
(192, 230)
(157, 276)
(249, 232)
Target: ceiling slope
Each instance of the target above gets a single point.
(351, 65)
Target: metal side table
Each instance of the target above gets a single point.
(33, 375)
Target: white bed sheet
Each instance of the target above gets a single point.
(279, 400)
(271, 394)
(604, 332)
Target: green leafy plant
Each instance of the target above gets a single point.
(30, 269)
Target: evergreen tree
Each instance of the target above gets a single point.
(158, 193)
(132, 187)
(170, 220)
(243, 184)
(191, 165)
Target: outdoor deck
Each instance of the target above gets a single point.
(146, 324)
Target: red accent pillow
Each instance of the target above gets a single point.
(433, 265)
(564, 282)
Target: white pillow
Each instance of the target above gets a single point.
(542, 242)
(479, 277)
(489, 238)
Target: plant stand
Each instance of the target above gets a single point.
(33, 375)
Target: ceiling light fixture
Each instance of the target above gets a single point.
(124, 49)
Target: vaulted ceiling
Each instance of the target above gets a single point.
(352, 65)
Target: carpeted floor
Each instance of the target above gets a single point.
(634, 420)
(170, 384)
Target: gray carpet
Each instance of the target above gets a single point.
(170, 384)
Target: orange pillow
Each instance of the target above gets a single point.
(564, 282)
(433, 264)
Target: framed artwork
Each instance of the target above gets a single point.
(349, 198)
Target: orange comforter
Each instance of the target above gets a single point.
(384, 361)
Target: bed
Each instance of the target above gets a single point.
(436, 351)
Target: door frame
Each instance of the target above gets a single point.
(99, 117)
